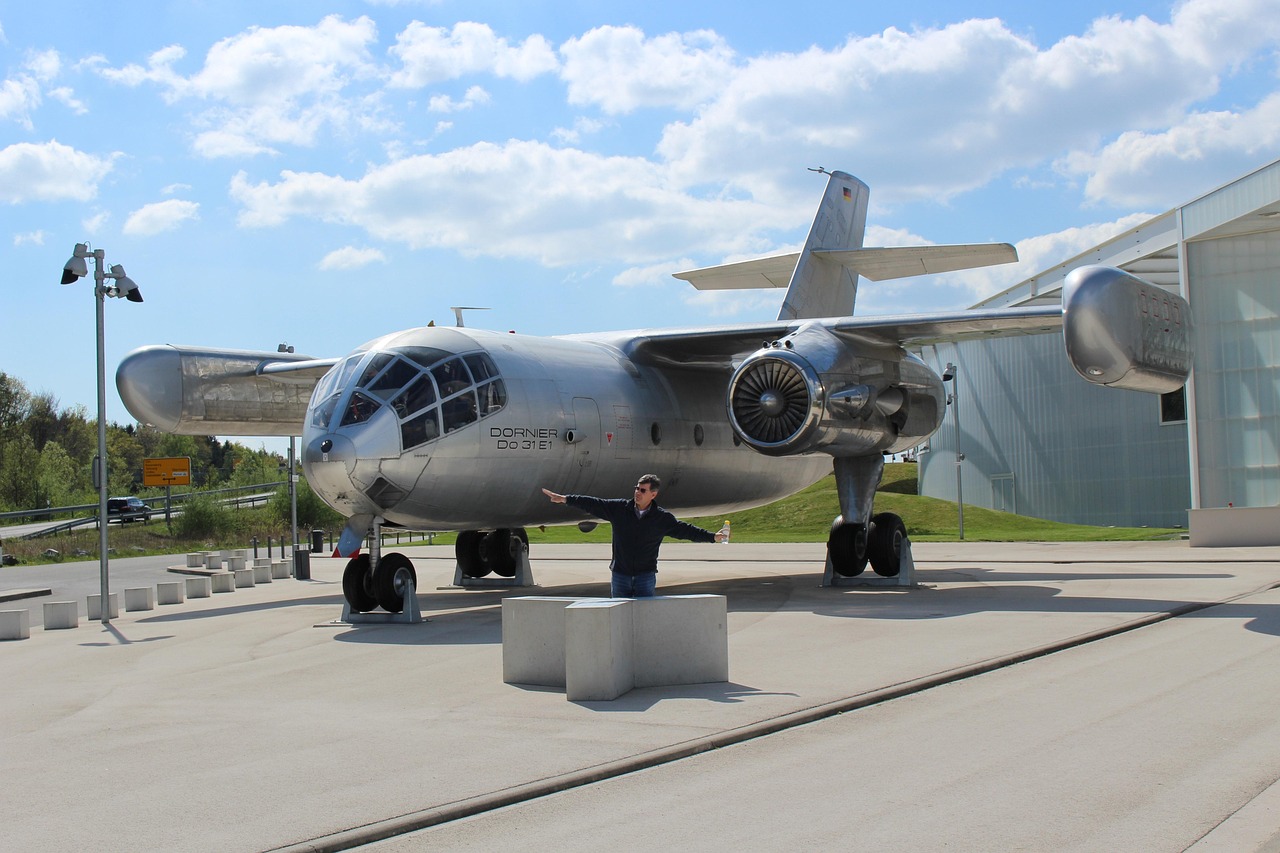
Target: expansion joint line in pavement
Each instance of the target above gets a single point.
(447, 812)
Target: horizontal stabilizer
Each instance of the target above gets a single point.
(906, 261)
(877, 264)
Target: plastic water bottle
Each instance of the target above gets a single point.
(725, 531)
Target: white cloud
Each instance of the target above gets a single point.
(34, 238)
(519, 199)
(1203, 150)
(50, 171)
(434, 54)
(269, 86)
(18, 98)
(160, 216)
(350, 258)
(620, 70)
(582, 126)
(474, 96)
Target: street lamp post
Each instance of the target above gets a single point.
(293, 485)
(951, 374)
(122, 286)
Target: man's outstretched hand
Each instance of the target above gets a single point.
(555, 499)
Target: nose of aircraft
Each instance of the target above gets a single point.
(329, 461)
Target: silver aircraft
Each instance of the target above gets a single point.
(458, 429)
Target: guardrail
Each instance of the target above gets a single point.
(155, 502)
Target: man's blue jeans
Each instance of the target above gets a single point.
(633, 586)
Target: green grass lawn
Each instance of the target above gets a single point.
(806, 517)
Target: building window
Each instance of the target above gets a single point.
(1173, 407)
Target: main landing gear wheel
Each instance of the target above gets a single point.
(847, 548)
(391, 578)
(467, 552)
(357, 585)
(500, 550)
(884, 546)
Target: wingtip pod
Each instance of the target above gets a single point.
(1123, 332)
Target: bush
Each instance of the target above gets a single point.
(204, 517)
(312, 512)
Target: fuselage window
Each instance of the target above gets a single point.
(420, 394)
(395, 378)
(420, 430)
(360, 409)
(459, 411)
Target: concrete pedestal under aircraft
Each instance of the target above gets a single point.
(459, 429)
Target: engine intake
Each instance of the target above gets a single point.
(775, 401)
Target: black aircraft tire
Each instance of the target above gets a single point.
(357, 585)
(393, 574)
(467, 552)
(500, 551)
(885, 544)
(847, 549)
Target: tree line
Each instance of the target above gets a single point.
(46, 454)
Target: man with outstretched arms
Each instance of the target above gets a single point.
(639, 526)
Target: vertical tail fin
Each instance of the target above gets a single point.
(821, 287)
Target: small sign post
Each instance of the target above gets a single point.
(167, 471)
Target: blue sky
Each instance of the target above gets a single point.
(323, 174)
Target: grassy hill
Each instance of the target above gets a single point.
(806, 517)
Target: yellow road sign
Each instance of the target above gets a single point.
(167, 471)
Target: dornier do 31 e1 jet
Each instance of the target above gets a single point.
(458, 429)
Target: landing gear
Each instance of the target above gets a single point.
(884, 545)
(503, 552)
(391, 579)
(357, 584)
(847, 548)
(857, 536)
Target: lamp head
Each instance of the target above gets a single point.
(76, 267)
(124, 285)
(949, 373)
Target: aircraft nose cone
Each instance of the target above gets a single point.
(329, 461)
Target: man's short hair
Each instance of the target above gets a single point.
(652, 480)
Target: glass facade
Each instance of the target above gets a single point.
(1235, 293)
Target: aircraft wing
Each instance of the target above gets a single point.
(198, 391)
(719, 347)
(877, 264)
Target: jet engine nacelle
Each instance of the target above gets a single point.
(1124, 332)
(814, 392)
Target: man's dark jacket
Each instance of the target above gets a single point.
(636, 540)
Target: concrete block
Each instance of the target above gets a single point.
(171, 592)
(235, 563)
(279, 569)
(261, 574)
(94, 606)
(61, 614)
(140, 598)
(223, 582)
(261, 561)
(681, 639)
(226, 554)
(244, 578)
(15, 624)
(533, 639)
(598, 656)
(195, 561)
(198, 587)
(212, 560)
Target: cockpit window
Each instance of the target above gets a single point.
(360, 409)
(423, 356)
(430, 391)
(394, 379)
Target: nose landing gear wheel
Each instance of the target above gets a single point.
(357, 584)
(390, 580)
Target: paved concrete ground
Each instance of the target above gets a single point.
(235, 723)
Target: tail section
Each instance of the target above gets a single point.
(821, 286)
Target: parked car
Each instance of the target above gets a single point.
(127, 509)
